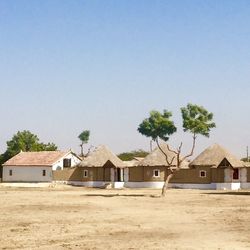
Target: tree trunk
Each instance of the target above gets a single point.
(81, 150)
(165, 186)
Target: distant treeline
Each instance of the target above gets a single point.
(128, 156)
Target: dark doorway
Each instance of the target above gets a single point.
(236, 174)
(118, 174)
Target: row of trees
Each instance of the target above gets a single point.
(128, 156)
(27, 142)
(158, 126)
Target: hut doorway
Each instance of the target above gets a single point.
(119, 175)
(236, 174)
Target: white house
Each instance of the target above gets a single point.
(37, 166)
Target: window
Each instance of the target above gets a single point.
(66, 163)
(85, 173)
(44, 172)
(236, 174)
(156, 173)
(203, 173)
(10, 172)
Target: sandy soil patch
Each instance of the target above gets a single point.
(67, 217)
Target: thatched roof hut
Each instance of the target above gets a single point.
(134, 162)
(101, 156)
(214, 156)
(157, 158)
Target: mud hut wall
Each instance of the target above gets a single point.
(148, 173)
(248, 174)
(93, 173)
(136, 173)
(67, 174)
(218, 175)
(192, 175)
(107, 174)
(77, 174)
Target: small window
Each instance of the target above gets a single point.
(44, 172)
(85, 173)
(156, 173)
(66, 163)
(203, 174)
(10, 172)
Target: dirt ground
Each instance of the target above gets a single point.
(67, 217)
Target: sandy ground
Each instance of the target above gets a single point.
(67, 217)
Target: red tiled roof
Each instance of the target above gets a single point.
(42, 158)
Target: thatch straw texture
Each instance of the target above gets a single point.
(132, 163)
(157, 158)
(100, 156)
(214, 155)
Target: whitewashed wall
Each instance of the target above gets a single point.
(243, 175)
(27, 174)
(126, 174)
(59, 164)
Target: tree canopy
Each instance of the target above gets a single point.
(84, 138)
(25, 141)
(196, 120)
(158, 125)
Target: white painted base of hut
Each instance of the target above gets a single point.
(87, 183)
(245, 185)
(228, 186)
(118, 184)
(193, 186)
(159, 184)
(91, 183)
(147, 184)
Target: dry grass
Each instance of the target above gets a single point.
(81, 218)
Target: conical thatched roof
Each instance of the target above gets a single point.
(132, 163)
(157, 158)
(100, 156)
(214, 155)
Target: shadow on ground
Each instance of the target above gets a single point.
(230, 193)
(121, 195)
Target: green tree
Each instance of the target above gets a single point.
(245, 159)
(196, 120)
(24, 141)
(128, 156)
(84, 138)
(47, 147)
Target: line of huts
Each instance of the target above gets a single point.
(214, 168)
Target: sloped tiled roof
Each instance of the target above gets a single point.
(214, 155)
(42, 158)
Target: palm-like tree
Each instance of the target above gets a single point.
(84, 138)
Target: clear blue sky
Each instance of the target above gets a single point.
(66, 66)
